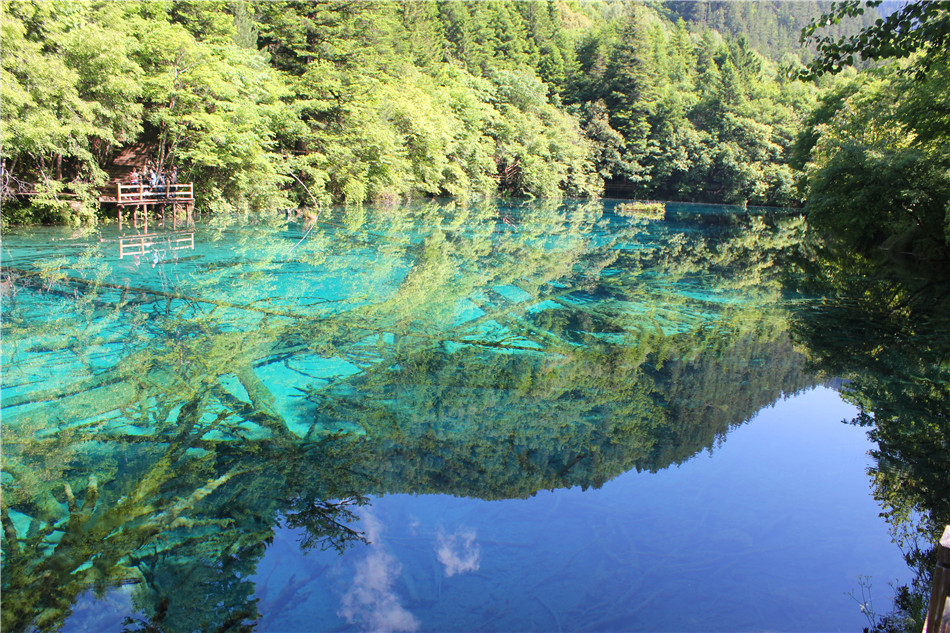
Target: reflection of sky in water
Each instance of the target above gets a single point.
(371, 602)
(458, 552)
(771, 534)
(753, 539)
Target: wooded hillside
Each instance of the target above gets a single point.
(271, 105)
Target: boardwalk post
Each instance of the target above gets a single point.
(118, 199)
(938, 615)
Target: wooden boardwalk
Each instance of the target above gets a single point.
(143, 197)
(938, 615)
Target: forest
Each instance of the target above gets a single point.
(277, 105)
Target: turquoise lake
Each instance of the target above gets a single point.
(495, 417)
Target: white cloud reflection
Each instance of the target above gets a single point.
(371, 601)
(458, 552)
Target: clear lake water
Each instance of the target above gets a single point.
(495, 417)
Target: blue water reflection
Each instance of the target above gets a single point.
(754, 536)
(771, 530)
(430, 420)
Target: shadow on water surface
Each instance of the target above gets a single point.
(160, 422)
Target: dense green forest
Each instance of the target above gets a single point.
(277, 105)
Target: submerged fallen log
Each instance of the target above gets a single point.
(90, 283)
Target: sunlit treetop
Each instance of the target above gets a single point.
(917, 26)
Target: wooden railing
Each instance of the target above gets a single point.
(142, 193)
(938, 615)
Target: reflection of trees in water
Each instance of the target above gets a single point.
(185, 518)
(501, 426)
(886, 331)
(478, 357)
